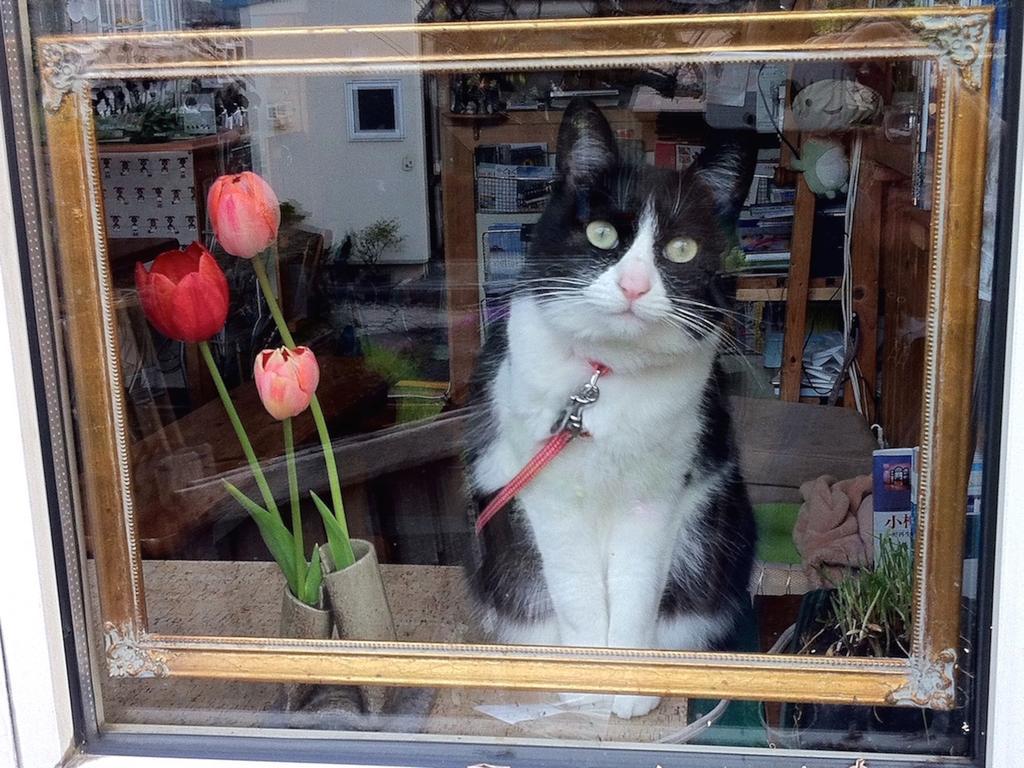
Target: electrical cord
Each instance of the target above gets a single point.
(846, 298)
(686, 734)
(771, 118)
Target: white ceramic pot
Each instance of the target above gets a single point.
(359, 606)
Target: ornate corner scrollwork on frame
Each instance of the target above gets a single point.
(125, 658)
(65, 63)
(962, 41)
(61, 67)
(930, 683)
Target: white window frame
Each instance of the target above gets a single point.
(35, 715)
(1006, 672)
(36, 707)
(355, 133)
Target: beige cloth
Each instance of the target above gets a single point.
(833, 530)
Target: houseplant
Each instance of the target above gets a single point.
(245, 216)
(867, 614)
(363, 251)
(184, 294)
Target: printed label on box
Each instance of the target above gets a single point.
(894, 481)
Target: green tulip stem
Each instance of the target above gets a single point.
(293, 492)
(269, 295)
(332, 468)
(243, 438)
(314, 405)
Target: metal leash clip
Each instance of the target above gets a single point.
(571, 417)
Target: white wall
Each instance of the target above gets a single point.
(342, 184)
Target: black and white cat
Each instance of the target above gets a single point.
(640, 533)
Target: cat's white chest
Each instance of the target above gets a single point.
(637, 440)
(641, 433)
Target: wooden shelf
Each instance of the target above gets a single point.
(773, 288)
(456, 118)
(180, 144)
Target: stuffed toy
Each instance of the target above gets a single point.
(825, 166)
(827, 106)
(834, 96)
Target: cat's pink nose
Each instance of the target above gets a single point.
(634, 284)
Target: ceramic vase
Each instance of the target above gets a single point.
(359, 607)
(302, 622)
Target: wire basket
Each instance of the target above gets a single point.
(512, 188)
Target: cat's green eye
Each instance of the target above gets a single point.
(681, 249)
(602, 235)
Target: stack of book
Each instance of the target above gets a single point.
(504, 254)
(764, 231)
(533, 153)
(504, 188)
(822, 363)
(513, 178)
(765, 225)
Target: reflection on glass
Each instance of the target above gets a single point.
(568, 377)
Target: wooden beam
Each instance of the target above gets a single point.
(774, 288)
(864, 253)
(460, 257)
(796, 302)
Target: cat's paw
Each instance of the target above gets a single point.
(625, 707)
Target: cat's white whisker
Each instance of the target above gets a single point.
(708, 307)
(687, 331)
(724, 339)
(696, 319)
(548, 280)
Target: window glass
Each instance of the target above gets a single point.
(631, 356)
(376, 108)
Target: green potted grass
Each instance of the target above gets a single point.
(867, 614)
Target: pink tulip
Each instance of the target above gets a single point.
(286, 380)
(244, 213)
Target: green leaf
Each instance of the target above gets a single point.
(275, 535)
(314, 578)
(337, 536)
(301, 573)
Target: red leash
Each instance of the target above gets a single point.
(551, 448)
(568, 427)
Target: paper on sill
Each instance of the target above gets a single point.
(594, 705)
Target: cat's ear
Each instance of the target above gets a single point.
(726, 166)
(586, 146)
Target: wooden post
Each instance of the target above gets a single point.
(865, 247)
(796, 292)
(460, 257)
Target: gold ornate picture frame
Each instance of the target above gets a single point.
(956, 41)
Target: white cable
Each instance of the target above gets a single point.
(771, 734)
(685, 734)
(846, 294)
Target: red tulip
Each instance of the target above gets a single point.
(286, 380)
(184, 294)
(244, 213)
